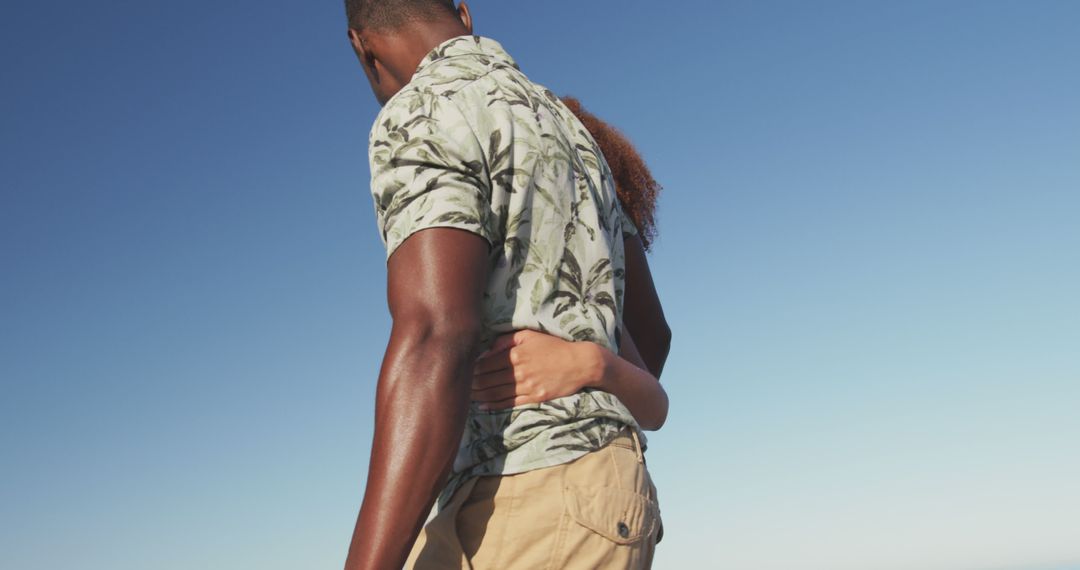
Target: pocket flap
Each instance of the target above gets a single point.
(623, 517)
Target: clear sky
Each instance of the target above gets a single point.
(869, 253)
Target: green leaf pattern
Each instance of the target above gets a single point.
(472, 143)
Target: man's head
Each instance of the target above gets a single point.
(391, 37)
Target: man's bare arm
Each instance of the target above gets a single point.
(436, 280)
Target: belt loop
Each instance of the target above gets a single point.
(637, 446)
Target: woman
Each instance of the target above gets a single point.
(530, 367)
(609, 491)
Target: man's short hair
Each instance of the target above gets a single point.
(389, 14)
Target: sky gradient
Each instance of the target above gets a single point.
(869, 254)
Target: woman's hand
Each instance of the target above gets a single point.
(528, 367)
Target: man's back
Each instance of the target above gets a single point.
(471, 143)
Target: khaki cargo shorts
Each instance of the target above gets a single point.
(598, 511)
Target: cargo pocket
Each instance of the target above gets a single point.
(659, 518)
(623, 517)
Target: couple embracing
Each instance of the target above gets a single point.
(527, 337)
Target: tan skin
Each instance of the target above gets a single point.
(435, 284)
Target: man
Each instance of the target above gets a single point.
(499, 214)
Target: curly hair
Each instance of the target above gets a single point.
(634, 184)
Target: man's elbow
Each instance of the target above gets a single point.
(430, 359)
(456, 335)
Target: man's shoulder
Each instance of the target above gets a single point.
(450, 104)
(414, 109)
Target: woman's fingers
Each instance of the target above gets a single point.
(523, 335)
(501, 343)
(495, 384)
(496, 394)
(511, 402)
(495, 379)
(492, 363)
(508, 340)
(500, 405)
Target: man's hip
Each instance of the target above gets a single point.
(598, 511)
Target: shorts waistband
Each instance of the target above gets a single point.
(628, 438)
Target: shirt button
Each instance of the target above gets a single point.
(624, 531)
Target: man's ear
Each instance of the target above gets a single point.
(466, 17)
(357, 43)
(363, 53)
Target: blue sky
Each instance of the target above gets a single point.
(868, 254)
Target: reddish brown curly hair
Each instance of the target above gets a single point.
(634, 183)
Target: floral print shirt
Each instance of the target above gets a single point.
(471, 143)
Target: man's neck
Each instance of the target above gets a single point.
(415, 42)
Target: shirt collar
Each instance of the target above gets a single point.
(466, 46)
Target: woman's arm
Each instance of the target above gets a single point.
(643, 316)
(627, 376)
(529, 367)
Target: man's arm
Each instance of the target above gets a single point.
(436, 280)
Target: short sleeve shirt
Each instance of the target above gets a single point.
(471, 143)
